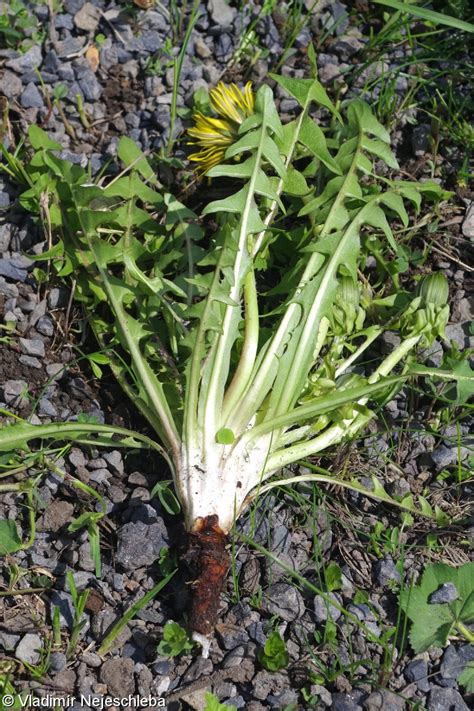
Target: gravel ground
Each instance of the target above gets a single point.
(126, 90)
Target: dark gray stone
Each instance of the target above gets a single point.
(223, 48)
(45, 326)
(139, 543)
(384, 700)
(420, 138)
(200, 667)
(445, 593)
(285, 601)
(32, 347)
(10, 270)
(455, 660)
(346, 702)
(230, 636)
(26, 62)
(90, 87)
(385, 573)
(57, 661)
(446, 700)
(417, 672)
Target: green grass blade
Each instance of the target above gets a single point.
(429, 15)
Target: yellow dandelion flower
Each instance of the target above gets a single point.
(214, 135)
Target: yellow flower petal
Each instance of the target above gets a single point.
(232, 105)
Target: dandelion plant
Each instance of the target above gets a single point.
(242, 368)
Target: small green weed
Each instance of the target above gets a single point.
(274, 656)
(433, 622)
(175, 640)
(213, 703)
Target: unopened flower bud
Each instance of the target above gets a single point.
(433, 289)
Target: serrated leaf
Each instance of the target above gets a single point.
(375, 217)
(381, 150)
(432, 623)
(306, 90)
(466, 677)
(295, 183)
(313, 138)
(359, 113)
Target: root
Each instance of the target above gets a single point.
(212, 564)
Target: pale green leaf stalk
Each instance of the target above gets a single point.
(239, 380)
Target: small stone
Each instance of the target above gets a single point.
(8, 641)
(457, 332)
(446, 699)
(87, 18)
(45, 326)
(201, 48)
(385, 573)
(346, 702)
(11, 85)
(14, 392)
(139, 543)
(384, 700)
(200, 667)
(46, 408)
(285, 601)
(58, 514)
(230, 636)
(57, 661)
(455, 660)
(31, 97)
(223, 48)
(445, 593)
(324, 611)
(91, 88)
(118, 675)
(221, 13)
(468, 223)
(10, 270)
(265, 683)
(26, 62)
(115, 460)
(32, 347)
(29, 648)
(417, 672)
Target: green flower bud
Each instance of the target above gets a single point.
(433, 289)
(348, 292)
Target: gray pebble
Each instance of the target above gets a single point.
(45, 326)
(285, 601)
(28, 650)
(10, 270)
(445, 593)
(385, 573)
(57, 661)
(443, 699)
(87, 18)
(324, 611)
(417, 672)
(346, 702)
(32, 347)
(28, 61)
(468, 223)
(8, 641)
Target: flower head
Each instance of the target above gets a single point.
(214, 135)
